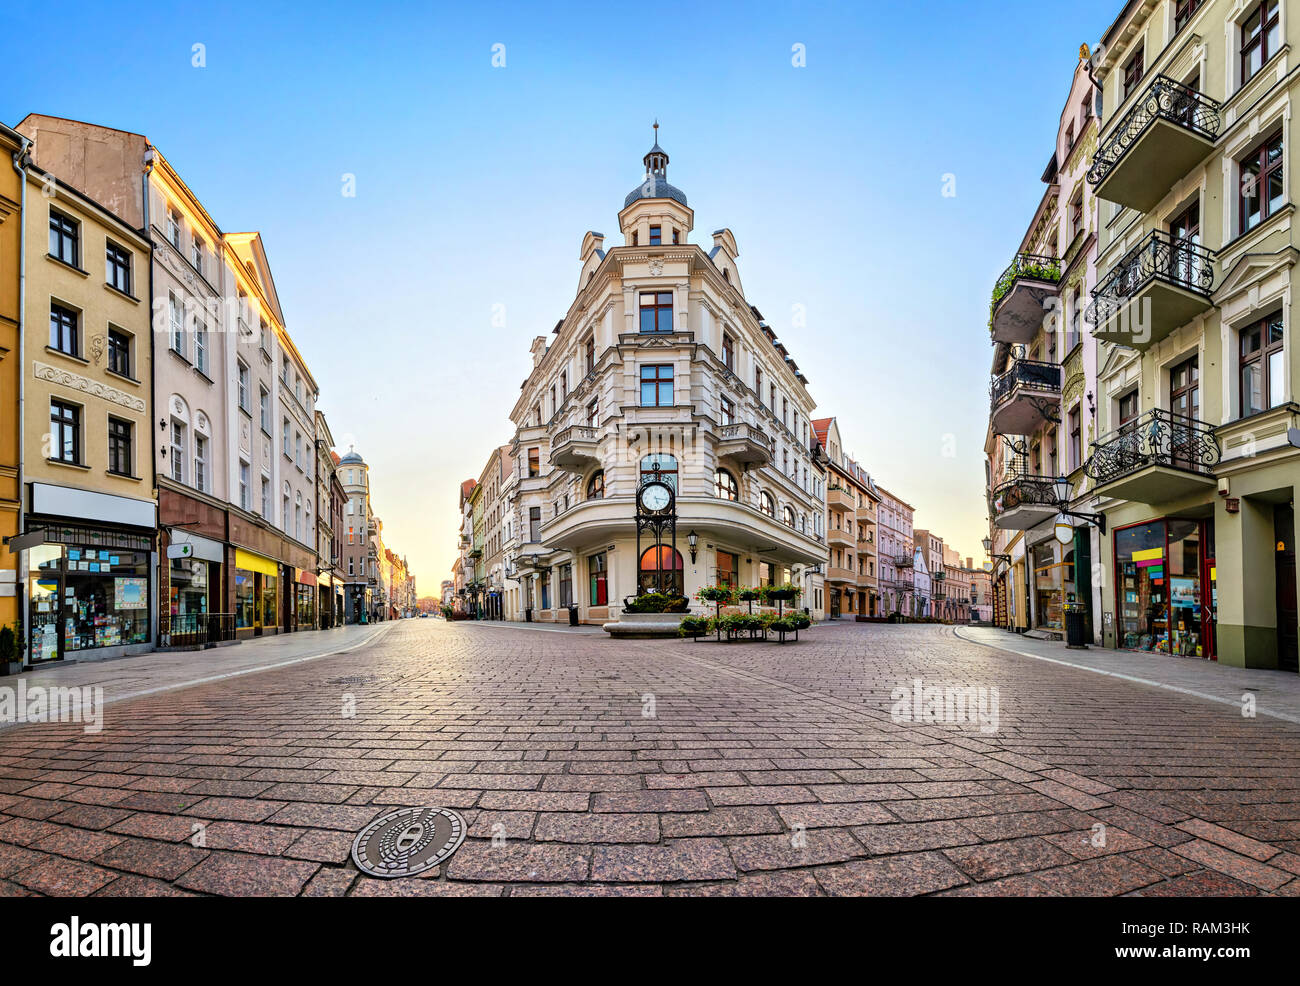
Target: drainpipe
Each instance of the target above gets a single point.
(20, 166)
(147, 231)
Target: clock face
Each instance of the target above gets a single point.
(655, 497)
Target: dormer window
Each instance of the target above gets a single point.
(655, 238)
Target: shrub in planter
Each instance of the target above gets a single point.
(9, 663)
(694, 626)
(799, 621)
(657, 602)
(749, 595)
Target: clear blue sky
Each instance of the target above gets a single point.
(475, 185)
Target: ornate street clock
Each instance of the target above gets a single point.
(656, 525)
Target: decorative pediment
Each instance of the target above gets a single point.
(1251, 269)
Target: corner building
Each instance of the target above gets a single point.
(661, 363)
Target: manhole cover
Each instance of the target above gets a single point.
(408, 841)
(354, 679)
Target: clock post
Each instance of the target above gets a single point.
(656, 516)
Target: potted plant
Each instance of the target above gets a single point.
(9, 662)
(694, 626)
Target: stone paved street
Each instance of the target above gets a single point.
(763, 769)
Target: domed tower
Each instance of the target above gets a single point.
(655, 213)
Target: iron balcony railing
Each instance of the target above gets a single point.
(1019, 491)
(1164, 99)
(1156, 438)
(196, 629)
(1158, 257)
(1030, 373)
(1034, 266)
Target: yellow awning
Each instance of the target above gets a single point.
(255, 563)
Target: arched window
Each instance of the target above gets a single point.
(596, 485)
(767, 504)
(660, 570)
(788, 515)
(725, 486)
(667, 468)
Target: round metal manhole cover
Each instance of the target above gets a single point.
(408, 841)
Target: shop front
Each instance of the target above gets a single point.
(257, 594)
(90, 583)
(305, 585)
(1166, 591)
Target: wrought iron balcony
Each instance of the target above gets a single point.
(1157, 457)
(1158, 286)
(1169, 129)
(1023, 502)
(1016, 309)
(1025, 397)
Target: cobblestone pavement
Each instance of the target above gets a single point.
(645, 767)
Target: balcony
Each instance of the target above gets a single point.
(575, 448)
(1024, 502)
(842, 576)
(904, 561)
(1158, 286)
(840, 498)
(1155, 458)
(1025, 397)
(839, 537)
(745, 444)
(867, 546)
(1016, 310)
(865, 513)
(1167, 132)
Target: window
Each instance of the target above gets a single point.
(266, 500)
(660, 570)
(297, 516)
(200, 463)
(725, 486)
(767, 504)
(117, 267)
(728, 352)
(598, 580)
(564, 385)
(596, 485)
(656, 386)
(758, 382)
(265, 336)
(589, 352)
(284, 509)
(593, 413)
(243, 485)
(178, 451)
(534, 524)
(534, 463)
(65, 432)
(676, 237)
(655, 238)
(1261, 366)
(173, 227)
(264, 408)
(1128, 408)
(656, 311)
(243, 386)
(728, 568)
(728, 410)
(1260, 38)
(196, 253)
(63, 330)
(1183, 13)
(119, 352)
(1262, 188)
(636, 237)
(297, 449)
(1073, 421)
(1076, 313)
(176, 314)
(119, 447)
(1076, 214)
(666, 466)
(64, 238)
(285, 433)
(1133, 70)
(201, 347)
(788, 516)
(566, 586)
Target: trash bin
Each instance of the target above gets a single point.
(528, 615)
(1076, 634)
(573, 616)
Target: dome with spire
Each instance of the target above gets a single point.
(655, 184)
(352, 458)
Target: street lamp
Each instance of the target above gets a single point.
(692, 539)
(988, 550)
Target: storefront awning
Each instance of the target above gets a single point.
(255, 563)
(304, 577)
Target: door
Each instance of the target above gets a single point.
(1288, 658)
(1185, 410)
(1185, 240)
